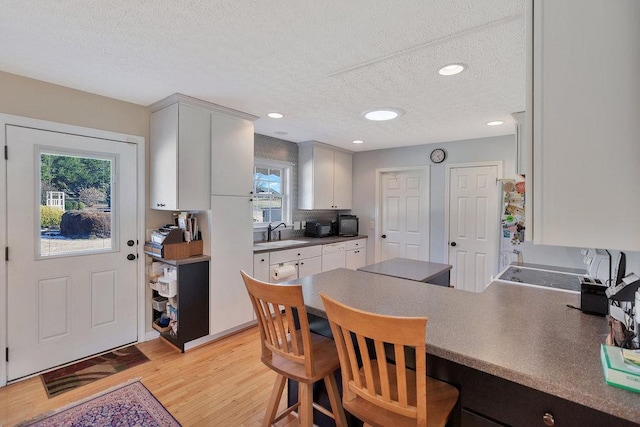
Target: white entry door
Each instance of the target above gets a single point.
(473, 226)
(71, 287)
(405, 215)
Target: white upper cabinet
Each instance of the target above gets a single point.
(231, 156)
(584, 107)
(342, 179)
(325, 177)
(198, 149)
(180, 137)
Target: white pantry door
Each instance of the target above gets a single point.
(69, 298)
(405, 215)
(473, 226)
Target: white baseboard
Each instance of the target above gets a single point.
(151, 335)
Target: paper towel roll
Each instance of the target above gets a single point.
(283, 272)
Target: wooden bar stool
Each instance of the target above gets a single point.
(381, 393)
(295, 354)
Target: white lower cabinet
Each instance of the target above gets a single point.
(299, 262)
(261, 266)
(309, 266)
(356, 253)
(333, 256)
(356, 258)
(272, 266)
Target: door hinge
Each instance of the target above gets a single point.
(7, 353)
(6, 253)
(6, 152)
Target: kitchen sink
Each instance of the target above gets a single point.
(280, 244)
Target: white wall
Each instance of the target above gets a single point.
(473, 150)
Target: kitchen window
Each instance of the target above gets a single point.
(271, 192)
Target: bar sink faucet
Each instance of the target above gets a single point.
(270, 229)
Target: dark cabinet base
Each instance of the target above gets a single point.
(193, 301)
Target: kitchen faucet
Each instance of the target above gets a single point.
(270, 229)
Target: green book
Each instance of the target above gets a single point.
(617, 372)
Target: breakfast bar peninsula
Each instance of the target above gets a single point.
(518, 354)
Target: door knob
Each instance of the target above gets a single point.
(454, 244)
(384, 236)
(130, 243)
(131, 257)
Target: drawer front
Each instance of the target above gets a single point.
(514, 404)
(277, 257)
(333, 247)
(471, 419)
(355, 244)
(309, 251)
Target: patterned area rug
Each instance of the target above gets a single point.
(86, 371)
(126, 405)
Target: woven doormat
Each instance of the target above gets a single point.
(86, 371)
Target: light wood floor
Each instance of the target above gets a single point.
(219, 384)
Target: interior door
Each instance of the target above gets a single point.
(72, 284)
(473, 226)
(405, 215)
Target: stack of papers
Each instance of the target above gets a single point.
(621, 367)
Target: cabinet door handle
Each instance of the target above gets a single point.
(548, 420)
(160, 205)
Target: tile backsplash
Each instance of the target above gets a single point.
(267, 147)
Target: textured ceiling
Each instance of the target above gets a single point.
(321, 63)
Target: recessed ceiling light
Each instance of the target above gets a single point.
(495, 123)
(358, 141)
(451, 69)
(382, 114)
(275, 115)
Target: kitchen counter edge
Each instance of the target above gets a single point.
(306, 241)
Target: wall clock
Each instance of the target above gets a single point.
(438, 155)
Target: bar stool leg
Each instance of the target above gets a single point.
(335, 401)
(274, 401)
(305, 410)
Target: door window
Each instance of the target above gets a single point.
(76, 192)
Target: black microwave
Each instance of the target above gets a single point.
(318, 229)
(347, 225)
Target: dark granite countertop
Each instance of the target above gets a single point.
(300, 242)
(522, 334)
(420, 271)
